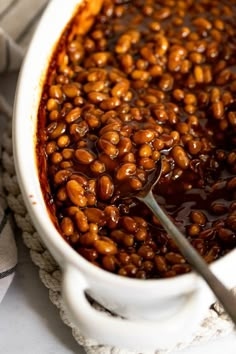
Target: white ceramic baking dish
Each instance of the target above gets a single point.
(158, 313)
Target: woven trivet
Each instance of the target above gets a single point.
(216, 323)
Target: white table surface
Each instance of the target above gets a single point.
(30, 324)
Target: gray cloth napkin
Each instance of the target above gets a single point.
(18, 19)
(8, 253)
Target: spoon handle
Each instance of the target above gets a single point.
(227, 299)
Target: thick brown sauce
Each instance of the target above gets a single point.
(195, 189)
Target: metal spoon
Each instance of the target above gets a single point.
(227, 299)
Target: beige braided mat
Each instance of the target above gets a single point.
(216, 324)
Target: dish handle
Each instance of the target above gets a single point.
(131, 334)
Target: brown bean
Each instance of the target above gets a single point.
(94, 86)
(198, 74)
(73, 115)
(81, 221)
(105, 248)
(52, 105)
(67, 226)
(162, 44)
(140, 75)
(194, 147)
(110, 103)
(91, 199)
(180, 157)
(97, 167)
(218, 110)
(223, 77)
(194, 230)
(145, 150)
(55, 91)
(123, 272)
(93, 121)
(125, 170)
(123, 44)
(124, 145)
(147, 163)
(62, 176)
(71, 90)
(166, 82)
(96, 74)
(231, 159)
(51, 147)
(97, 97)
(88, 239)
(95, 215)
(148, 266)
(174, 258)
(72, 210)
(141, 234)
(218, 208)
(232, 207)
(112, 136)
(146, 252)
(121, 88)
(136, 260)
(80, 179)
(124, 257)
(143, 136)
(76, 193)
(128, 157)
(232, 118)
(84, 156)
(63, 141)
(108, 148)
(208, 234)
(226, 235)
(89, 253)
(181, 268)
(61, 194)
(56, 129)
(130, 270)
(148, 54)
(198, 217)
(112, 216)
(105, 187)
(56, 158)
(118, 235)
(129, 224)
(100, 58)
(67, 153)
(79, 101)
(231, 184)
(128, 240)
(78, 130)
(158, 144)
(109, 163)
(161, 264)
(91, 186)
(169, 274)
(207, 72)
(231, 222)
(212, 254)
(202, 22)
(109, 263)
